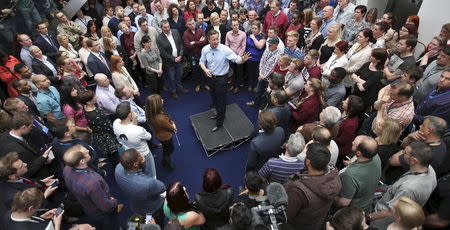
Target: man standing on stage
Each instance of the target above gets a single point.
(214, 61)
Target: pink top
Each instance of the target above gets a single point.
(236, 41)
(77, 115)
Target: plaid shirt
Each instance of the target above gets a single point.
(402, 112)
(268, 61)
(90, 189)
(352, 29)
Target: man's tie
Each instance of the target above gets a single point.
(49, 39)
(104, 61)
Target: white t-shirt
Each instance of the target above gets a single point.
(133, 136)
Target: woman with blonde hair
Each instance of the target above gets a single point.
(327, 48)
(65, 46)
(106, 33)
(120, 75)
(162, 125)
(388, 134)
(408, 215)
(215, 25)
(309, 104)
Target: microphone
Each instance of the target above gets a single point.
(276, 194)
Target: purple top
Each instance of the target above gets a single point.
(77, 115)
(435, 104)
(255, 53)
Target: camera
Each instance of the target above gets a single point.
(269, 215)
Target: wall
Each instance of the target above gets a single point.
(379, 4)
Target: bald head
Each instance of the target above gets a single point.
(327, 12)
(73, 156)
(322, 136)
(101, 80)
(366, 146)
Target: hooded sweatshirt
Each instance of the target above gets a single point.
(310, 198)
(215, 206)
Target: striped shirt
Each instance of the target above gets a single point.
(279, 169)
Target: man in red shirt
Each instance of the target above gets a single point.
(275, 17)
(194, 39)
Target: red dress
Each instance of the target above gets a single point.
(306, 112)
(8, 76)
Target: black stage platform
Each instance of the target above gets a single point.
(237, 129)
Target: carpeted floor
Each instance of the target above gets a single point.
(190, 158)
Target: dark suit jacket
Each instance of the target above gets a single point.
(97, 66)
(223, 32)
(36, 163)
(33, 108)
(40, 68)
(46, 47)
(263, 147)
(165, 48)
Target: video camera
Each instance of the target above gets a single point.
(271, 211)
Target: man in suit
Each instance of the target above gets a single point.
(97, 61)
(46, 41)
(43, 65)
(16, 141)
(12, 169)
(171, 48)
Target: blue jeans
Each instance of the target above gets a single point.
(252, 73)
(173, 76)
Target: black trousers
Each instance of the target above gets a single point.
(154, 83)
(167, 148)
(218, 95)
(238, 74)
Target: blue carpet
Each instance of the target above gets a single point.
(190, 158)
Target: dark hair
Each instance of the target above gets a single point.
(422, 151)
(170, 8)
(18, 67)
(277, 79)
(367, 33)
(253, 181)
(437, 124)
(212, 180)
(391, 17)
(177, 199)
(123, 110)
(355, 106)
(381, 55)
(348, 218)
(89, 25)
(141, 21)
(340, 72)
(128, 158)
(86, 96)
(410, 40)
(384, 26)
(405, 89)
(342, 46)
(212, 32)
(318, 155)
(145, 39)
(412, 29)
(65, 91)
(21, 119)
(414, 72)
(362, 8)
(281, 96)
(267, 121)
(446, 50)
(240, 216)
(321, 135)
(16, 84)
(59, 128)
(6, 165)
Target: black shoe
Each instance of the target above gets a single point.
(155, 146)
(213, 117)
(215, 128)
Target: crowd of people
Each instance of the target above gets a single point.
(351, 122)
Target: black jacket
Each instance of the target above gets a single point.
(165, 48)
(222, 30)
(48, 49)
(215, 206)
(40, 68)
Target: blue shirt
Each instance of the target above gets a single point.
(141, 188)
(49, 102)
(297, 53)
(217, 59)
(325, 26)
(203, 26)
(255, 53)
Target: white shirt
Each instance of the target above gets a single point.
(133, 136)
(172, 43)
(333, 63)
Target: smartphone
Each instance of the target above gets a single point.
(59, 210)
(55, 183)
(148, 217)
